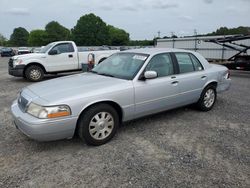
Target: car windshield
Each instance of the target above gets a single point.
(121, 65)
(46, 48)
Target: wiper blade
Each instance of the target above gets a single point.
(105, 74)
(93, 71)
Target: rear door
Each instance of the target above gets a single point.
(65, 59)
(191, 78)
(158, 94)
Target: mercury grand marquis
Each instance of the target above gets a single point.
(126, 86)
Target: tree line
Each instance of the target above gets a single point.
(91, 30)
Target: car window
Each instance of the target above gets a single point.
(196, 62)
(64, 48)
(121, 65)
(162, 64)
(185, 62)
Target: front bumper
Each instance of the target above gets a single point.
(43, 129)
(17, 70)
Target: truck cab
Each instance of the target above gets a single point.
(56, 57)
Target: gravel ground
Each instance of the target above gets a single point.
(178, 148)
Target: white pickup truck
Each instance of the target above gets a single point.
(56, 57)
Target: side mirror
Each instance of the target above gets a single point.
(53, 52)
(150, 75)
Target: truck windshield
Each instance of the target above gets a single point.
(121, 65)
(46, 48)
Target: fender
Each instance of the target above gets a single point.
(100, 101)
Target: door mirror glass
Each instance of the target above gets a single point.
(150, 74)
(53, 52)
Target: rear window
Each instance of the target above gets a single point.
(185, 62)
(188, 63)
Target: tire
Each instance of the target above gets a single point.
(207, 98)
(34, 73)
(98, 124)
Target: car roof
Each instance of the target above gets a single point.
(153, 51)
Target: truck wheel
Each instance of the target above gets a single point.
(98, 124)
(207, 99)
(34, 73)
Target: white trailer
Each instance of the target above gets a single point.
(209, 50)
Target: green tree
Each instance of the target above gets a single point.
(118, 37)
(19, 37)
(231, 31)
(37, 38)
(90, 30)
(2, 40)
(141, 42)
(56, 32)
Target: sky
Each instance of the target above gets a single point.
(142, 19)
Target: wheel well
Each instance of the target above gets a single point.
(37, 64)
(213, 84)
(111, 103)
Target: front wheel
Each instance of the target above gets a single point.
(34, 73)
(98, 124)
(207, 99)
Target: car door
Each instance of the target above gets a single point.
(191, 78)
(62, 57)
(158, 94)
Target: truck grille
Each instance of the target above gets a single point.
(11, 62)
(22, 103)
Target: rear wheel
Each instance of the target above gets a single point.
(34, 73)
(98, 124)
(207, 99)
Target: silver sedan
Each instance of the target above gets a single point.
(126, 86)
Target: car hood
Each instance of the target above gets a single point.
(30, 56)
(77, 86)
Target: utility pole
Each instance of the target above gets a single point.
(159, 34)
(195, 41)
(173, 41)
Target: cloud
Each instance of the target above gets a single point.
(186, 18)
(106, 7)
(18, 11)
(129, 8)
(208, 1)
(130, 5)
(232, 9)
(164, 5)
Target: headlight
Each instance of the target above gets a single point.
(43, 112)
(17, 61)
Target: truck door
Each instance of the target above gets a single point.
(62, 57)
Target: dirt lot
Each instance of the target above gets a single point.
(179, 148)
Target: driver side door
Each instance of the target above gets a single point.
(65, 59)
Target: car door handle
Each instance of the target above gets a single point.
(173, 77)
(203, 77)
(70, 55)
(175, 83)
